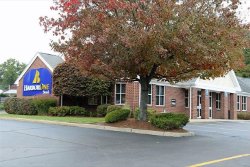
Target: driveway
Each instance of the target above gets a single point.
(40, 145)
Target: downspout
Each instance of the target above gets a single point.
(190, 102)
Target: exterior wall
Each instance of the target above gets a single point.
(227, 110)
(36, 64)
(133, 98)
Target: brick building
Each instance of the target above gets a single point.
(40, 63)
(220, 98)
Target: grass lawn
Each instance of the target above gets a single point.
(88, 120)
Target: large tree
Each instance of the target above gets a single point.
(9, 71)
(69, 80)
(145, 39)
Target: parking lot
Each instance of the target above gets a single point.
(216, 144)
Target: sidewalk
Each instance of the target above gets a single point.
(215, 120)
(110, 128)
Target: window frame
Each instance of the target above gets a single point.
(159, 96)
(238, 103)
(218, 101)
(186, 98)
(120, 94)
(244, 103)
(150, 94)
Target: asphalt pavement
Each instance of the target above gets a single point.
(26, 144)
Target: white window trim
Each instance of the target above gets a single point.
(188, 97)
(218, 101)
(120, 94)
(245, 109)
(238, 103)
(151, 95)
(160, 95)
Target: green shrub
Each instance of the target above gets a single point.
(117, 115)
(1, 106)
(10, 105)
(168, 121)
(77, 111)
(150, 113)
(102, 110)
(243, 115)
(20, 106)
(26, 107)
(113, 108)
(43, 105)
(67, 110)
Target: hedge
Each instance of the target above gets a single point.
(67, 111)
(150, 113)
(113, 108)
(43, 105)
(169, 121)
(243, 115)
(117, 115)
(102, 110)
(28, 106)
(20, 106)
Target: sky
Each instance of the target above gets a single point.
(21, 36)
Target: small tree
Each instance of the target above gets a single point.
(144, 39)
(68, 80)
(9, 71)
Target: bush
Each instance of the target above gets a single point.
(20, 106)
(150, 113)
(67, 110)
(168, 121)
(102, 110)
(113, 108)
(243, 115)
(43, 105)
(117, 115)
(1, 106)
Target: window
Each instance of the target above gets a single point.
(244, 103)
(160, 95)
(150, 95)
(186, 98)
(238, 103)
(104, 99)
(120, 92)
(92, 100)
(218, 98)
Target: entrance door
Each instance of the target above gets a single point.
(210, 105)
(198, 104)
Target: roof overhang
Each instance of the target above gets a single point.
(37, 55)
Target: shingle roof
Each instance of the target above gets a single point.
(52, 60)
(244, 84)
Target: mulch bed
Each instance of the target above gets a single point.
(135, 124)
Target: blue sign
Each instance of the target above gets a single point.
(37, 82)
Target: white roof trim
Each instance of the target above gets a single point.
(211, 86)
(37, 55)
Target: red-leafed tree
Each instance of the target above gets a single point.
(145, 39)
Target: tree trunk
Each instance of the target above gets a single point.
(144, 98)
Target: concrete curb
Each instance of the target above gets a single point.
(109, 128)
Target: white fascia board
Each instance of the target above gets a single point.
(214, 88)
(243, 94)
(26, 69)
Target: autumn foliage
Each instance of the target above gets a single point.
(144, 39)
(68, 80)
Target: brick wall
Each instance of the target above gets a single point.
(36, 64)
